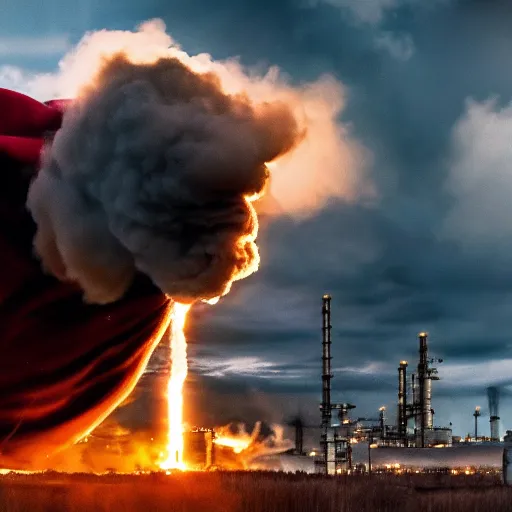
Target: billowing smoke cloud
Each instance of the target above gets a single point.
(151, 170)
(159, 157)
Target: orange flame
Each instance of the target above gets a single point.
(177, 378)
(238, 445)
(239, 441)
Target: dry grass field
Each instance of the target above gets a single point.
(250, 492)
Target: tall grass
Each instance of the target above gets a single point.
(250, 492)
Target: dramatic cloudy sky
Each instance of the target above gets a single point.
(428, 90)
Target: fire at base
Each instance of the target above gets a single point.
(235, 448)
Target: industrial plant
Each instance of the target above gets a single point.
(344, 438)
(414, 427)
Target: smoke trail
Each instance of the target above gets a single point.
(153, 170)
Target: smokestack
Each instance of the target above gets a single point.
(414, 395)
(476, 414)
(402, 399)
(422, 405)
(494, 402)
(382, 420)
(326, 361)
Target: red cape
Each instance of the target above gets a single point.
(64, 365)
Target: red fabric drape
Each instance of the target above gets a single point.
(64, 365)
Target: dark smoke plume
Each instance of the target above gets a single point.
(493, 396)
(153, 170)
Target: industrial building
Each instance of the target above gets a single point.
(420, 429)
(415, 416)
(342, 437)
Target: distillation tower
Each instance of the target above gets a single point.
(420, 411)
(402, 401)
(335, 434)
(426, 374)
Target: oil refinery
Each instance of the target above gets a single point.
(414, 426)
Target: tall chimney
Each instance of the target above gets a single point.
(494, 401)
(382, 421)
(326, 361)
(402, 400)
(414, 390)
